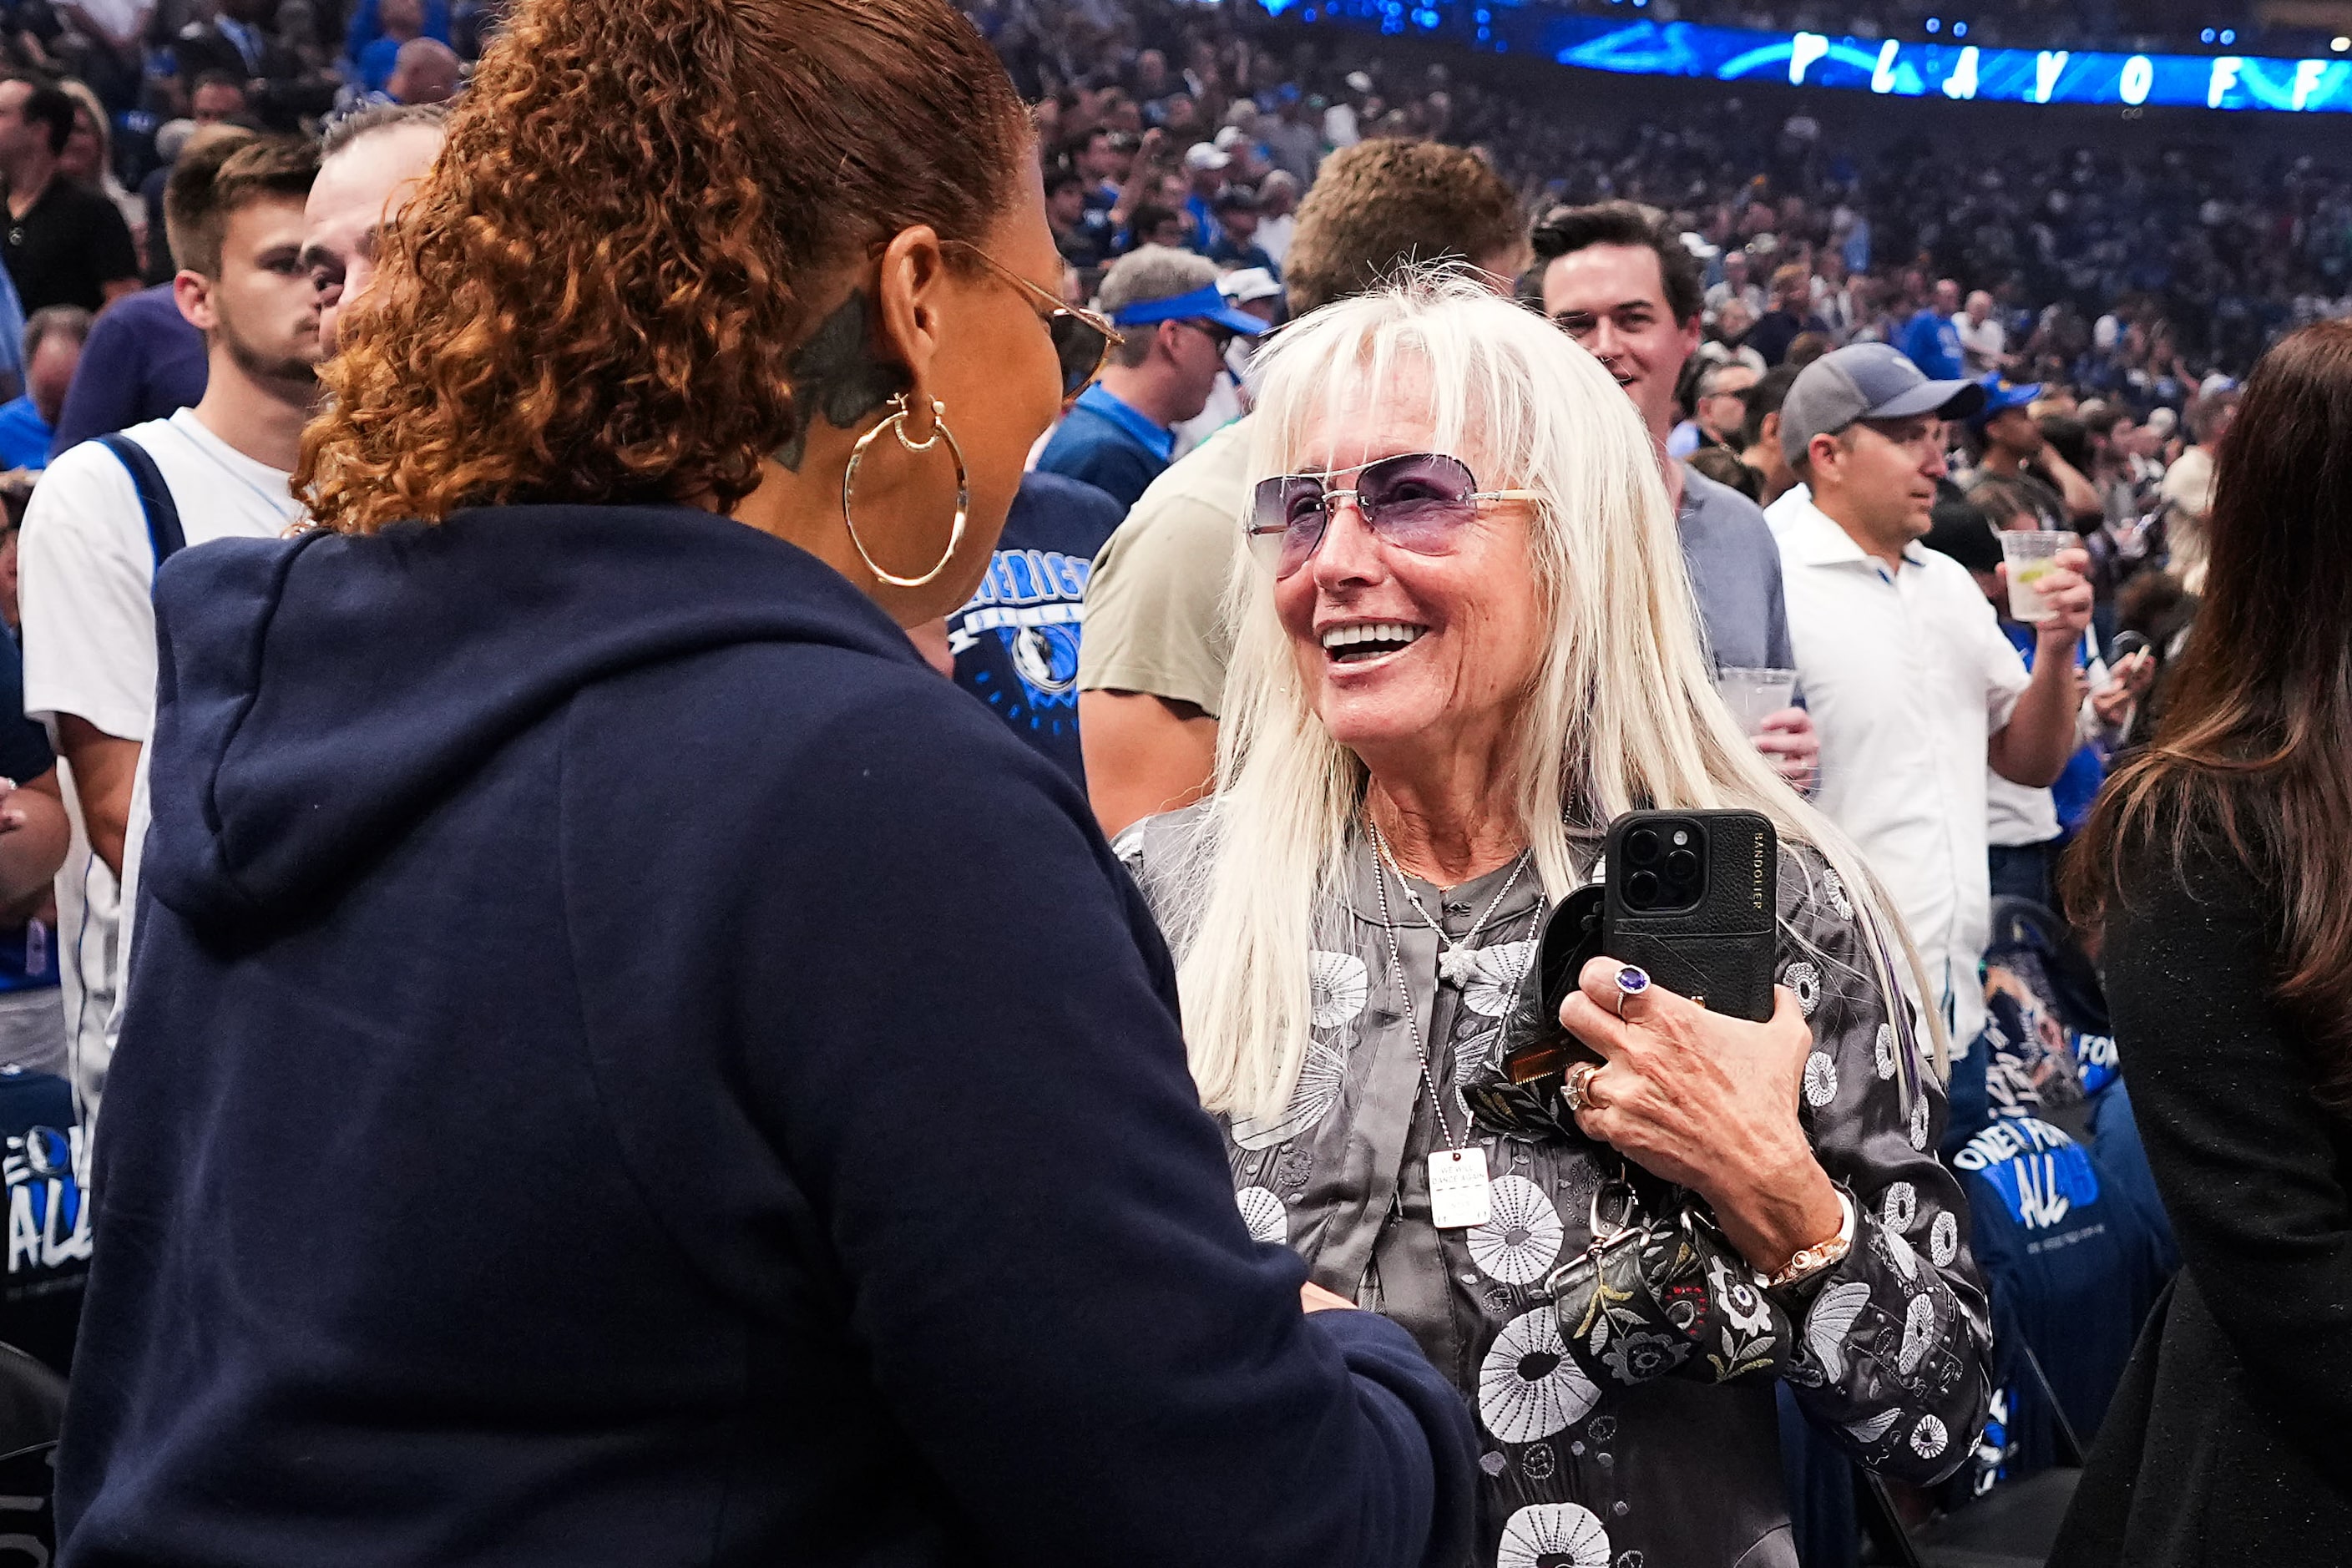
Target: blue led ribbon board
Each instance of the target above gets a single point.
(1956, 70)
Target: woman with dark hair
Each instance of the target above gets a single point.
(2216, 863)
(626, 1064)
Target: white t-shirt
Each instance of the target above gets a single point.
(2018, 816)
(86, 575)
(1981, 345)
(1907, 676)
(120, 19)
(1275, 235)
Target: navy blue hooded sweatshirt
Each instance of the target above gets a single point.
(626, 1066)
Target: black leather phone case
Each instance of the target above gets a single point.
(1722, 951)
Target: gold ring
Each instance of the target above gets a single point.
(1576, 1087)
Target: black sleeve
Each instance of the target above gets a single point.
(2244, 1154)
(196, 53)
(955, 1036)
(291, 93)
(25, 753)
(114, 255)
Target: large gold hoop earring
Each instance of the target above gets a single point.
(896, 425)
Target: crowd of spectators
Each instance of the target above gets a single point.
(2132, 277)
(141, 78)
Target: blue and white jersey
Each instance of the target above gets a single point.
(2074, 1264)
(1016, 643)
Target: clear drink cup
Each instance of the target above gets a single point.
(2031, 556)
(1755, 695)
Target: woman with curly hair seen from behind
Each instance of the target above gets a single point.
(626, 1066)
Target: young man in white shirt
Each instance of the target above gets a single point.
(1914, 688)
(92, 540)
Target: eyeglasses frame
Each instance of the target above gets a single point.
(1113, 338)
(1250, 531)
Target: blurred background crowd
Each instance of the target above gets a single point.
(2132, 260)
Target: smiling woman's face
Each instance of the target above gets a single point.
(1405, 657)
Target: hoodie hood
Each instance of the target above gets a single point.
(317, 695)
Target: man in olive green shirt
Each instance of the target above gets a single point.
(1156, 633)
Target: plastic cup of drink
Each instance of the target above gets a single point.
(1755, 695)
(2031, 556)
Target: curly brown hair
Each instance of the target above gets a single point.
(597, 294)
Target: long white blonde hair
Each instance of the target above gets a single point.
(1623, 713)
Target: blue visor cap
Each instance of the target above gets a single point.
(1206, 304)
(2000, 399)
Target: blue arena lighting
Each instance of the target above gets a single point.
(1888, 67)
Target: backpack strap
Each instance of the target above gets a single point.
(163, 533)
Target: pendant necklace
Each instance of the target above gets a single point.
(1460, 1196)
(1457, 964)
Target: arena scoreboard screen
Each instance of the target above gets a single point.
(1635, 46)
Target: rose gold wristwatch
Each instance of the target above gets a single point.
(1822, 1256)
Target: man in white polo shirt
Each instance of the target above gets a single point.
(1914, 688)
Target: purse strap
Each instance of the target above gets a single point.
(2070, 1446)
(1884, 1522)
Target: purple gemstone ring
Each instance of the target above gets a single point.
(1630, 982)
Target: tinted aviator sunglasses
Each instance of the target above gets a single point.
(1082, 339)
(1415, 503)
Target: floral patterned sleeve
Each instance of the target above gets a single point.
(1894, 1353)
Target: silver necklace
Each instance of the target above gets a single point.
(1457, 965)
(1411, 1012)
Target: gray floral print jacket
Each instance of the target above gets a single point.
(1892, 1359)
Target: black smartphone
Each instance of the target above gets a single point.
(1693, 897)
(2126, 644)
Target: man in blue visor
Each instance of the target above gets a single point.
(1120, 435)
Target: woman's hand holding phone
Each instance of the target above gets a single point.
(1708, 1102)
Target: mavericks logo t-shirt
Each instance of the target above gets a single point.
(1016, 643)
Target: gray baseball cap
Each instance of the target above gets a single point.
(1868, 381)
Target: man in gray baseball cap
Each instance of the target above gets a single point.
(1866, 382)
(1913, 686)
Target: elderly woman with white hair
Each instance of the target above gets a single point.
(1467, 644)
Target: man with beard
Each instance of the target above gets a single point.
(110, 511)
